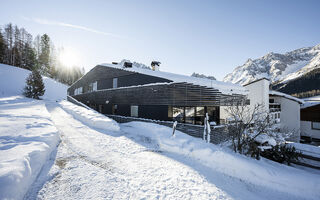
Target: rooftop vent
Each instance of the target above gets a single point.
(115, 63)
(155, 65)
(127, 65)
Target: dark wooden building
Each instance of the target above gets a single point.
(123, 89)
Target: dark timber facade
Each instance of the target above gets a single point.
(117, 91)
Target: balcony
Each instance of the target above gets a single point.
(274, 107)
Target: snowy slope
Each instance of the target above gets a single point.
(13, 80)
(27, 135)
(277, 67)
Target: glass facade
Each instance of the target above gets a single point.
(193, 115)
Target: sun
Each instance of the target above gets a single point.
(68, 57)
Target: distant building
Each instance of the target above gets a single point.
(281, 108)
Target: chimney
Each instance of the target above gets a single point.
(127, 65)
(155, 65)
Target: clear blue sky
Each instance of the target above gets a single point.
(209, 37)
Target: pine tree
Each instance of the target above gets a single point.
(2, 48)
(44, 57)
(35, 86)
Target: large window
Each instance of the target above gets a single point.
(190, 115)
(115, 83)
(134, 111)
(200, 115)
(178, 114)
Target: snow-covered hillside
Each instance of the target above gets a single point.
(277, 67)
(13, 80)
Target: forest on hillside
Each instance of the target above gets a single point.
(302, 87)
(19, 48)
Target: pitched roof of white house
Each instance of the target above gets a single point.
(223, 87)
(276, 93)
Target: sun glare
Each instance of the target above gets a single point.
(68, 57)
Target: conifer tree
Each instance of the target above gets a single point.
(2, 48)
(35, 86)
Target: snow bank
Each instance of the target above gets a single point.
(27, 138)
(264, 172)
(13, 80)
(90, 117)
(306, 148)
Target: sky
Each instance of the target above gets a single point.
(208, 37)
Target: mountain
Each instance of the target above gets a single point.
(279, 68)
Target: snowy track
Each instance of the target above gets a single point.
(96, 164)
(93, 165)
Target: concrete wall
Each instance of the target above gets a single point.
(306, 130)
(259, 94)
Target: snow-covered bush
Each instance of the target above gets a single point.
(252, 133)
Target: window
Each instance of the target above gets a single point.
(134, 111)
(78, 91)
(114, 109)
(315, 125)
(95, 86)
(115, 83)
(271, 100)
(178, 114)
(189, 111)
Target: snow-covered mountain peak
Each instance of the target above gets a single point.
(277, 67)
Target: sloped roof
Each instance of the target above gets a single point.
(276, 93)
(225, 88)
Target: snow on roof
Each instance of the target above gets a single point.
(308, 104)
(276, 93)
(223, 87)
(314, 98)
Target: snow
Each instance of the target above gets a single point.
(90, 117)
(225, 88)
(264, 173)
(27, 138)
(27, 135)
(100, 159)
(306, 148)
(13, 80)
(314, 98)
(276, 93)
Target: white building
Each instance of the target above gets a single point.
(282, 108)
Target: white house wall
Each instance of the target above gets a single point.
(259, 94)
(289, 116)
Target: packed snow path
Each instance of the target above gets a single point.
(91, 164)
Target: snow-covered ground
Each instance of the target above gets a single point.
(98, 158)
(27, 138)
